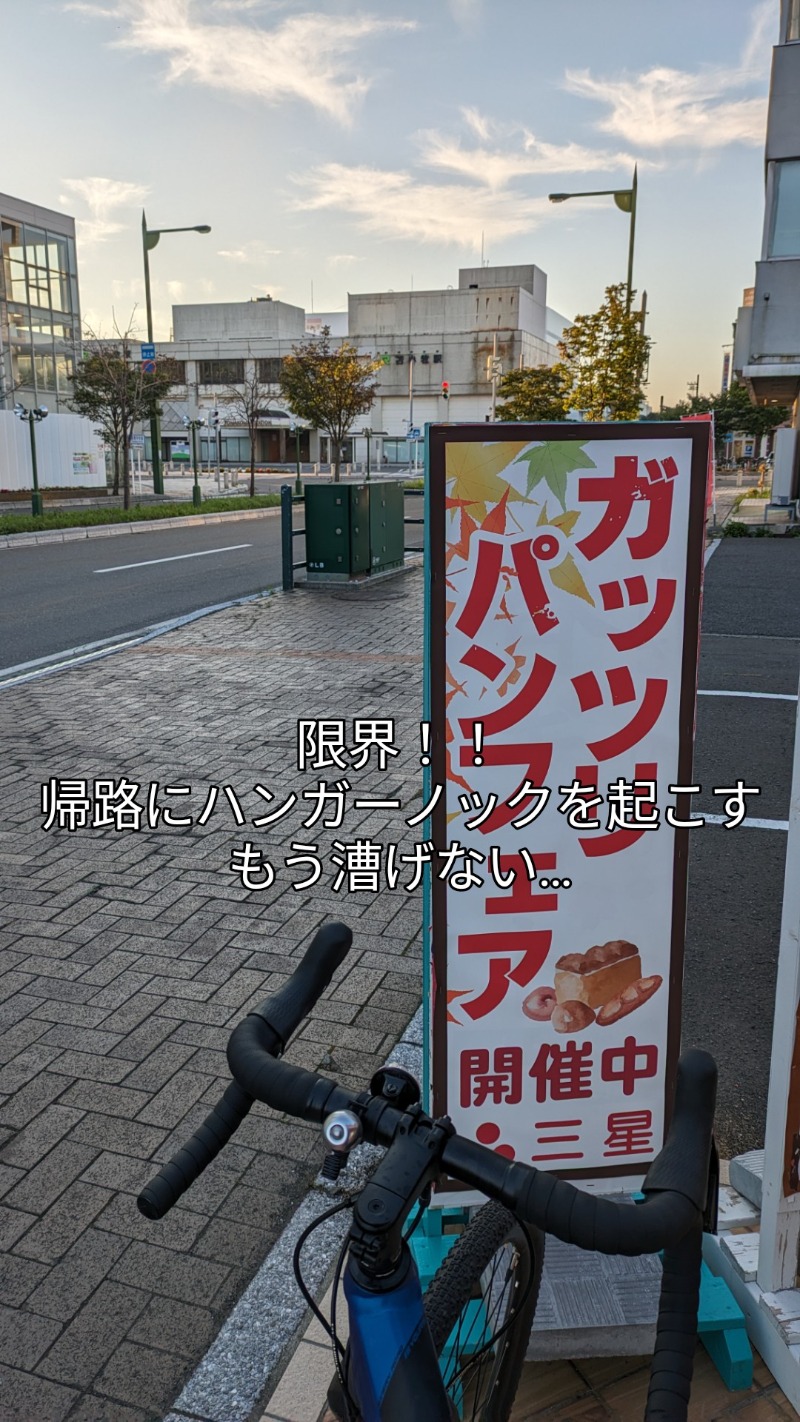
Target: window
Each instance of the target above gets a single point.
(785, 237)
(63, 373)
(269, 369)
(793, 21)
(220, 372)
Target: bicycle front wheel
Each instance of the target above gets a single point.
(480, 1309)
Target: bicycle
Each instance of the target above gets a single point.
(478, 1311)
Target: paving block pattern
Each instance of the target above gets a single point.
(127, 955)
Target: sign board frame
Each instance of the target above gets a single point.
(664, 439)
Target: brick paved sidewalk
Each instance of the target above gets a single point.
(127, 958)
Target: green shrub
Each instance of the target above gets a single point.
(736, 530)
(87, 518)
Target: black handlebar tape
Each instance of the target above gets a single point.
(161, 1193)
(676, 1334)
(285, 1009)
(683, 1163)
(285, 1087)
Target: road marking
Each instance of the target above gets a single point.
(710, 551)
(757, 695)
(748, 823)
(176, 558)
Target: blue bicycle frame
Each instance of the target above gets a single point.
(394, 1372)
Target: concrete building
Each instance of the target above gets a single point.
(495, 320)
(40, 324)
(766, 352)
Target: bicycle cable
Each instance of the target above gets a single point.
(346, 1204)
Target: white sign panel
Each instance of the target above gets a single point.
(566, 566)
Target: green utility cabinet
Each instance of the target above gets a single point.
(386, 533)
(353, 530)
(337, 531)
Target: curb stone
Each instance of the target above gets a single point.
(258, 1339)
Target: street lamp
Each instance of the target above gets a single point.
(150, 236)
(32, 418)
(625, 199)
(297, 429)
(194, 426)
(367, 434)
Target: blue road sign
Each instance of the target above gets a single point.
(148, 352)
(149, 367)
(414, 434)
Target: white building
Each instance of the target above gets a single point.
(766, 354)
(466, 337)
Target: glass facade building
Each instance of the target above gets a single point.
(40, 326)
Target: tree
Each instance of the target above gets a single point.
(605, 356)
(117, 392)
(328, 388)
(248, 404)
(734, 413)
(541, 392)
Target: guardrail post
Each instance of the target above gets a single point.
(287, 550)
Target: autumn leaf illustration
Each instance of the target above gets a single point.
(565, 521)
(552, 462)
(473, 472)
(567, 577)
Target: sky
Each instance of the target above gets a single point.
(353, 145)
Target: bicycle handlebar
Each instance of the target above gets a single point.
(277, 1017)
(675, 1187)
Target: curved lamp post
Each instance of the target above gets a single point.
(150, 236)
(32, 419)
(625, 199)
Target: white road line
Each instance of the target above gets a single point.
(176, 558)
(710, 551)
(756, 695)
(748, 823)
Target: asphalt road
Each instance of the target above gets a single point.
(59, 596)
(750, 642)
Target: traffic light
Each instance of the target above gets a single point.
(445, 389)
(215, 420)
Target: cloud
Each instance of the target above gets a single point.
(104, 197)
(483, 199)
(514, 152)
(670, 107)
(309, 56)
(466, 12)
(396, 204)
(250, 254)
(342, 259)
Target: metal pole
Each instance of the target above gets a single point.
(287, 552)
(298, 488)
(155, 432)
(630, 242)
(219, 454)
(494, 376)
(36, 498)
(368, 459)
(197, 497)
(410, 404)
